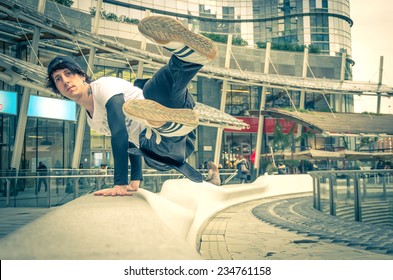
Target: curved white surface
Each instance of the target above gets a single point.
(165, 225)
(191, 204)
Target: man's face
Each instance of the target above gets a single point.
(69, 84)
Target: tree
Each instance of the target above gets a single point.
(67, 3)
(283, 140)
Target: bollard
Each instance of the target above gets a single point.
(357, 199)
(331, 195)
(8, 192)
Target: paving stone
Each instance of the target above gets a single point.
(288, 227)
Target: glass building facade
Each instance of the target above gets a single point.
(320, 24)
(324, 24)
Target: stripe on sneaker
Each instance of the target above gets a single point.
(182, 52)
(179, 52)
(187, 54)
(169, 128)
(190, 52)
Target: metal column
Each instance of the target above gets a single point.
(22, 120)
(379, 83)
(357, 199)
(76, 157)
(262, 107)
(220, 130)
(143, 48)
(303, 92)
(342, 78)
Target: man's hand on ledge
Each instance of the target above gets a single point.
(115, 191)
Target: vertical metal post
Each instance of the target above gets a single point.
(261, 117)
(316, 193)
(348, 180)
(357, 199)
(139, 73)
(48, 178)
(384, 179)
(22, 115)
(342, 77)
(332, 202)
(220, 130)
(319, 194)
(364, 184)
(76, 188)
(379, 83)
(8, 192)
(303, 92)
(76, 157)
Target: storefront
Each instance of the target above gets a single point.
(8, 111)
(49, 135)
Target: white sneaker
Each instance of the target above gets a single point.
(162, 120)
(178, 39)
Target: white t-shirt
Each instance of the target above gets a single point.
(103, 89)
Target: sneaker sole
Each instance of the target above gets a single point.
(151, 111)
(163, 30)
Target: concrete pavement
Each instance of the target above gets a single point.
(237, 234)
(13, 218)
(184, 221)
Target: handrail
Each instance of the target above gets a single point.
(22, 188)
(348, 192)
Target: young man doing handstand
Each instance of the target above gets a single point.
(153, 118)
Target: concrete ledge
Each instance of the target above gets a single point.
(205, 199)
(145, 226)
(97, 228)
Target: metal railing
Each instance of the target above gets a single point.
(59, 186)
(359, 195)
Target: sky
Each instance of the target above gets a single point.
(372, 37)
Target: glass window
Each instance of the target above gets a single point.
(235, 146)
(238, 100)
(48, 141)
(7, 138)
(97, 140)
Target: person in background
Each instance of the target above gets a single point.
(104, 171)
(380, 165)
(82, 182)
(213, 174)
(42, 171)
(242, 170)
(282, 168)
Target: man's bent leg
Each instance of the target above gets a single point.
(169, 85)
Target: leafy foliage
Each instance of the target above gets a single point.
(289, 47)
(223, 38)
(113, 17)
(283, 140)
(67, 3)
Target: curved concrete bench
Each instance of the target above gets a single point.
(146, 225)
(95, 228)
(202, 200)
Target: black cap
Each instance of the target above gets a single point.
(63, 62)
